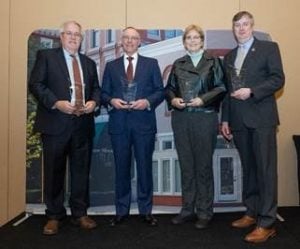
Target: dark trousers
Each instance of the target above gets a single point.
(76, 146)
(123, 146)
(195, 137)
(258, 153)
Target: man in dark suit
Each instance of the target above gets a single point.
(254, 72)
(132, 88)
(66, 86)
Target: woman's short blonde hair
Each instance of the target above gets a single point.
(195, 27)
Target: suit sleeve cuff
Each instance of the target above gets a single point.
(148, 105)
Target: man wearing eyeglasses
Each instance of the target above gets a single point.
(131, 89)
(66, 86)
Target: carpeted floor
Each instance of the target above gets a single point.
(137, 235)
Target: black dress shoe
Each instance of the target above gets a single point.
(180, 219)
(149, 219)
(202, 223)
(118, 219)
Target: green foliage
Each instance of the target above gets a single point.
(33, 143)
(34, 147)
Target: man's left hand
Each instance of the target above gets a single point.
(241, 94)
(140, 104)
(89, 106)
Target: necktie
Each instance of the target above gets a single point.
(78, 84)
(129, 71)
(241, 54)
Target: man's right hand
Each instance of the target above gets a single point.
(225, 130)
(119, 103)
(64, 106)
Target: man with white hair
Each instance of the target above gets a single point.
(66, 86)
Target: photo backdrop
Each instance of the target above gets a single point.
(166, 46)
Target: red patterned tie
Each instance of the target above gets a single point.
(130, 69)
(78, 85)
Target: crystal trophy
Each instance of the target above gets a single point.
(237, 78)
(77, 95)
(129, 88)
(189, 89)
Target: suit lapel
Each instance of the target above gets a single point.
(63, 65)
(119, 64)
(251, 54)
(85, 75)
(231, 58)
(140, 74)
(83, 67)
(138, 68)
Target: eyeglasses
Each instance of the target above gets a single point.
(189, 38)
(70, 34)
(127, 38)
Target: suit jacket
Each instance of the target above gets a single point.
(149, 86)
(264, 76)
(50, 82)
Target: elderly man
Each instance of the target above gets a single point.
(66, 86)
(132, 88)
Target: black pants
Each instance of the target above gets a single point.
(258, 153)
(75, 145)
(195, 135)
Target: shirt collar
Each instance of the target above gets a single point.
(246, 45)
(135, 55)
(67, 54)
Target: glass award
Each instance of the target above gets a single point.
(237, 78)
(189, 89)
(79, 96)
(129, 88)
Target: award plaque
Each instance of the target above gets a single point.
(237, 78)
(189, 89)
(129, 88)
